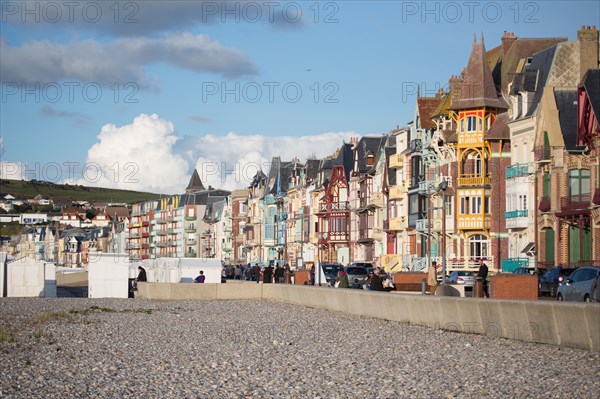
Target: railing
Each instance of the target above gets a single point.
(519, 213)
(474, 222)
(511, 264)
(424, 224)
(160, 220)
(190, 230)
(517, 170)
(473, 180)
(542, 153)
(396, 161)
(190, 254)
(471, 263)
(426, 187)
(575, 202)
(160, 232)
(190, 242)
(190, 218)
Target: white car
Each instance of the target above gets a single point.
(462, 277)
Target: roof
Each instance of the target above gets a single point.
(566, 103)
(367, 145)
(522, 48)
(427, 107)
(119, 211)
(499, 130)
(195, 183)
(533, 78)
(478, 88)
(591, 84)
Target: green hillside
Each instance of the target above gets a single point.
(22, 189)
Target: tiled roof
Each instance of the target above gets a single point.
(478, 88)
(427, 107)
(566, 103)
(591, 83)
(499, 130)
(195, 183)
(523, 48)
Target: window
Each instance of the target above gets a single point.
(464, 206)
(478, 246)
(476, 205)
(472, 123)
(579, 182)
(488, 204)
(448, 199)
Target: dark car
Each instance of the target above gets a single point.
(580, 285)
(331, 271)
(551, 280)
(529, 270)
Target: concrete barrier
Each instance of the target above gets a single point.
(557, 323)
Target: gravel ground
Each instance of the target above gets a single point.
(73, 347)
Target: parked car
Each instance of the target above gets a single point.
(331, 271)
(358, 272)
(529, 270)
(462, 277)
(362, 264)
(580, 285)
(551, 280)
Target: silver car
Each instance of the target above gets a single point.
(462, 277)
(580, 285)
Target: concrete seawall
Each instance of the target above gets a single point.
(557, 323)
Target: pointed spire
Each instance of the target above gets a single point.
(478, 88)
(482, 42)
(195, 183)
(474, 38)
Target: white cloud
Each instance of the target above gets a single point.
(231, 161)
(13, 170)
(120, 61)
(138, 156)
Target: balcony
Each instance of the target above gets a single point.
(190, 254)
(190, 242)
(398, 192)
(396, 161)
(545, 204)
(160, 220)
(161, 244)
(160, 232)
(511, 264)
(145, 234)
(575, 202)
(190, 230)
(473, 180)
(426, 187)
(517, 170)
(542, 153)
(474, 222)
(190, 218)
(422, 225)
(398, 224)
(145, 223)
(376, 200)
(516, 219)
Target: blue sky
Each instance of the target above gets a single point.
(363, 58)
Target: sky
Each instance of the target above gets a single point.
(136, 94)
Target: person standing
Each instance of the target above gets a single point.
(238, 272)
(482, 276)
(432, 278)
(278, 275)
(267, 274)
(256, 273)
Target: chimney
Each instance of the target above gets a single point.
(588, 49)
(508, 38)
